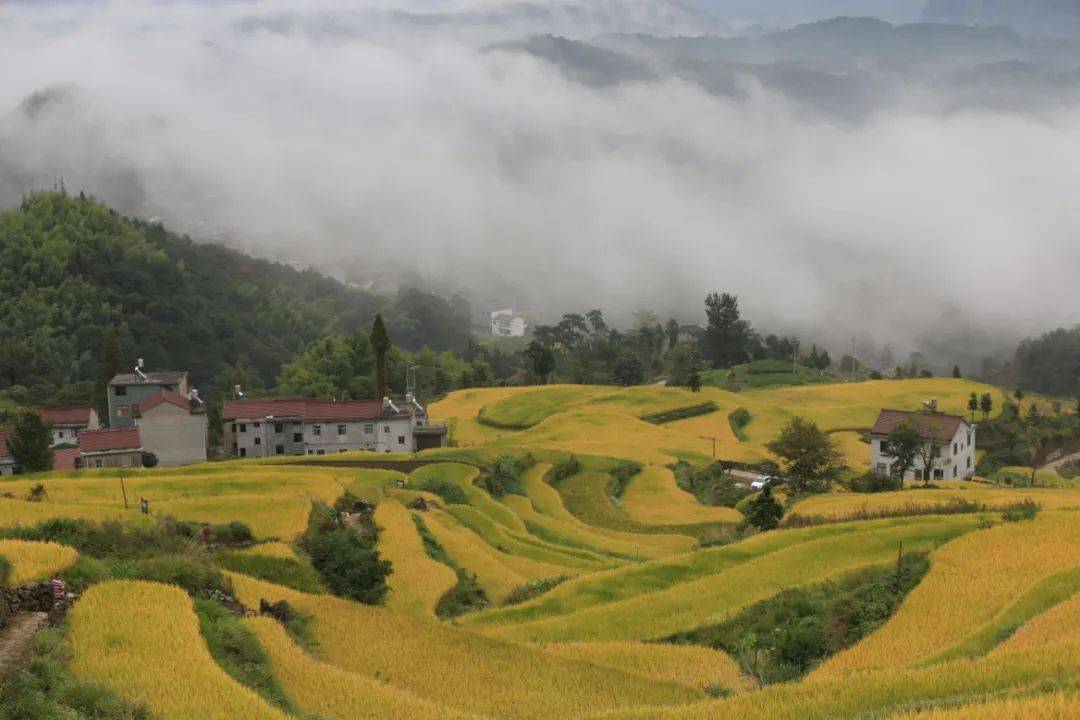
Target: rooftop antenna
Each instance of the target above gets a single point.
(238, 392)
(195, 396)
(138, 370)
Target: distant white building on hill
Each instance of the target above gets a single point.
(504, 323)
(953, 439)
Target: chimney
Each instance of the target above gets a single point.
(195, 396)
(138, 370)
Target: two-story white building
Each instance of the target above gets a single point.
(952, 438)
(264, 427)
(7, 462)
(68, 421)
(504, 323)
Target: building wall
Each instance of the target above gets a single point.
(259, 438)
(7, 467)
(113, 460)
(176, 436)
(133, 395)
(956, 462)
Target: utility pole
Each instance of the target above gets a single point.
(713, 438)
(795, 360)
(899, 560)
(124, 491)
(853, 362)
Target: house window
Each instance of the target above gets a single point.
(884, 447)
(316, 430)
(120, 391)
(342, 450)
(386, 429)
(969, 439)
(233, 426)
(955, 448)
(320, 452)
(298, 437)
(400, 439)
(310, 451)
(97, 463)
(279, 449)
(243, 427)
(279, 428)
(122, 410)
(341, 429)
(369, 428)
(955, 471)
(125, 461)
(254, 425)
(882, 469)
(935, 452)
(258, 441)
(969, 462)
(939, 474)
(243, 452)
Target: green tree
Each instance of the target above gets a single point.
(380, 343)
(1019, 395)
(29, 443)
(956, 372)
(542, 360)
(986, 405)
(672, 329)
(109, 366)
(596, 320)
(973, 405)
(627, 369)
(811, 458)
(764, 511)
(694, 381)
(728, 337)
(902, 446)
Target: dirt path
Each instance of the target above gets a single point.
(15, 639)
(1052, 467)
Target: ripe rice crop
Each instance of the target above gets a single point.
(272, 549)
(472, 554)
(417, 582)
(883, 693)
(326, 691)
(141, 640)
(653, 498)
(696, 667)
(33, 561)
(1056, 706)
(712, 598)
(635, 580)
(461, 670)
(268, 516)
(1060, 623)
(979, 574)
(547, 501)
(842, 505)
(20, 512)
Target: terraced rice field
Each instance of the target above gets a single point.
(33, 561)
(596, 581)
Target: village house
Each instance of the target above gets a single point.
(265, 427)
(952, 437)
(504, 323)
(126, 391)
(172, 427)
(7, 463)
(116, 447)
(68, 421)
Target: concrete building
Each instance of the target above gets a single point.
(952, 438)
(173, 427)
(504, 323)
(265, 427)
(117, 447)
(68, 421)
(7, 463)
(126, 391)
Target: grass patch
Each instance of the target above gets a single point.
(468, 594)
(1025, 509)
(535, 589)
(782, 638)
(238, 652)
(290, 572)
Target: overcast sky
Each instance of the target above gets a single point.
(348, 131)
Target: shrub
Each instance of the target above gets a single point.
(683, 413)
(149, 459)
(465, 596)
(505, 476)
(109, 539)
(448, 491)
(197, 578)
(289, 572)
(873, 483)
(348, 565)
(764, 512)
(1023, 510)
(5, 571)
(565, 468)
(623, 472)
(524, 593)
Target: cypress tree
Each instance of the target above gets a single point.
(380, 343)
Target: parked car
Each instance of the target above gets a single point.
(763, 481)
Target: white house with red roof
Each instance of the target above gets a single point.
(952, 438)
(116, 447)
(172, 426)
(68, 421)
(7, 462)
(505, 323)
(265, 427)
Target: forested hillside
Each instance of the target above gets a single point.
(72, 271)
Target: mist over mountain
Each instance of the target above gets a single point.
(1047, 18)
(905, 184)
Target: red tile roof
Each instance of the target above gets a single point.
(65, 414)
(3, 442)
(107, 440)
(167, 396)
(64, 458)
(938, 426)
(303, 409)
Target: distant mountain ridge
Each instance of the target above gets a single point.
(1050, 18)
